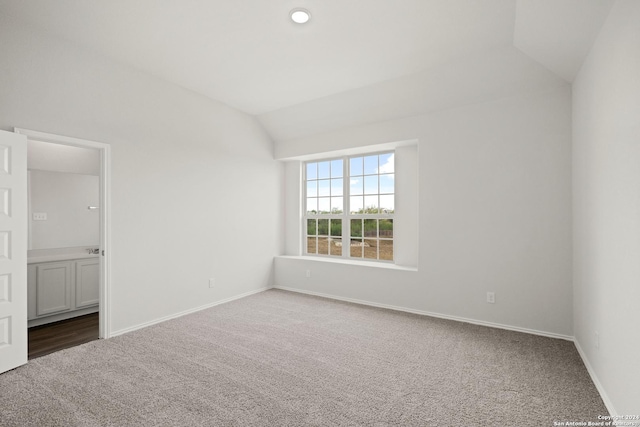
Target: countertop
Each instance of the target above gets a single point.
(58, 254)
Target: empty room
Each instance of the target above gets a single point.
(319, 212)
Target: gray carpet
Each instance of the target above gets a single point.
(281, 358)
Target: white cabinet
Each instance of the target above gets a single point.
(62, 289)
(87, 282)
(53, 288)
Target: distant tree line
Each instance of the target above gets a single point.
(359, 227)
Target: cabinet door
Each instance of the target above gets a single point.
(53, 288)
(32, 303)
(87, 282)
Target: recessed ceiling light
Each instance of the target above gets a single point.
(300, 16)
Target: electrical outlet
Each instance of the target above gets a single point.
(308, 274)
(40, 216)
(597, 340)
(212, 282)
(491, 297)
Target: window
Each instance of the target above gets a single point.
(349, 207)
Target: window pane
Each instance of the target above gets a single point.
(370, 228)
(336, 227)
(371, 184)
(323, 227)
(312, 205)
(356, 186)
(356, 228)
(323, 245)
(356, 248)
(387, 183)
(323, 187)
(335, 247)
(336, 187)
(312, 188)
(371, 204)
(324, 206)
(323, 170)
(387, 163)
(370, 248)
(311, 245)
(387, 204)
(385, 228)
(337, 205)
(311, 227)
(312, 170)
(357, 204)
(370, 165)
(336, 169)
(385, 248)
(355, 166)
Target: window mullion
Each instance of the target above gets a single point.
(305, 238)
(346, 224)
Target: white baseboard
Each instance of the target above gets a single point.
(185, 312)
(596, 381)
(432, 314)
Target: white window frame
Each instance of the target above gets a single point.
(346, 215)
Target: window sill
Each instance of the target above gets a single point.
(386, 265)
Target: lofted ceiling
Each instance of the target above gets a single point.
(356, 61)
(559, 33)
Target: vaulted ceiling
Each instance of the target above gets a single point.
(355, 62)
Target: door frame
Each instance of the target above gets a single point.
(105, 214)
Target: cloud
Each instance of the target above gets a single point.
(388, 166)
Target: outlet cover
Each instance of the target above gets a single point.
(491, 297)
(212, 282)
(308, 273)
(39, 216)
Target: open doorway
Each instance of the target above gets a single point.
(67, 259)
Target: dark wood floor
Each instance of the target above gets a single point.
(57, 336)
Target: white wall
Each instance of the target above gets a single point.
(195, 190)
(606, 179)
(494, 215)
(62, 158)
(64, 197)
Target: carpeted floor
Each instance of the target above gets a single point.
(281, 358)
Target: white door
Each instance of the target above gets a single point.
(13, 250)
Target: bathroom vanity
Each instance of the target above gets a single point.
(62, 283)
